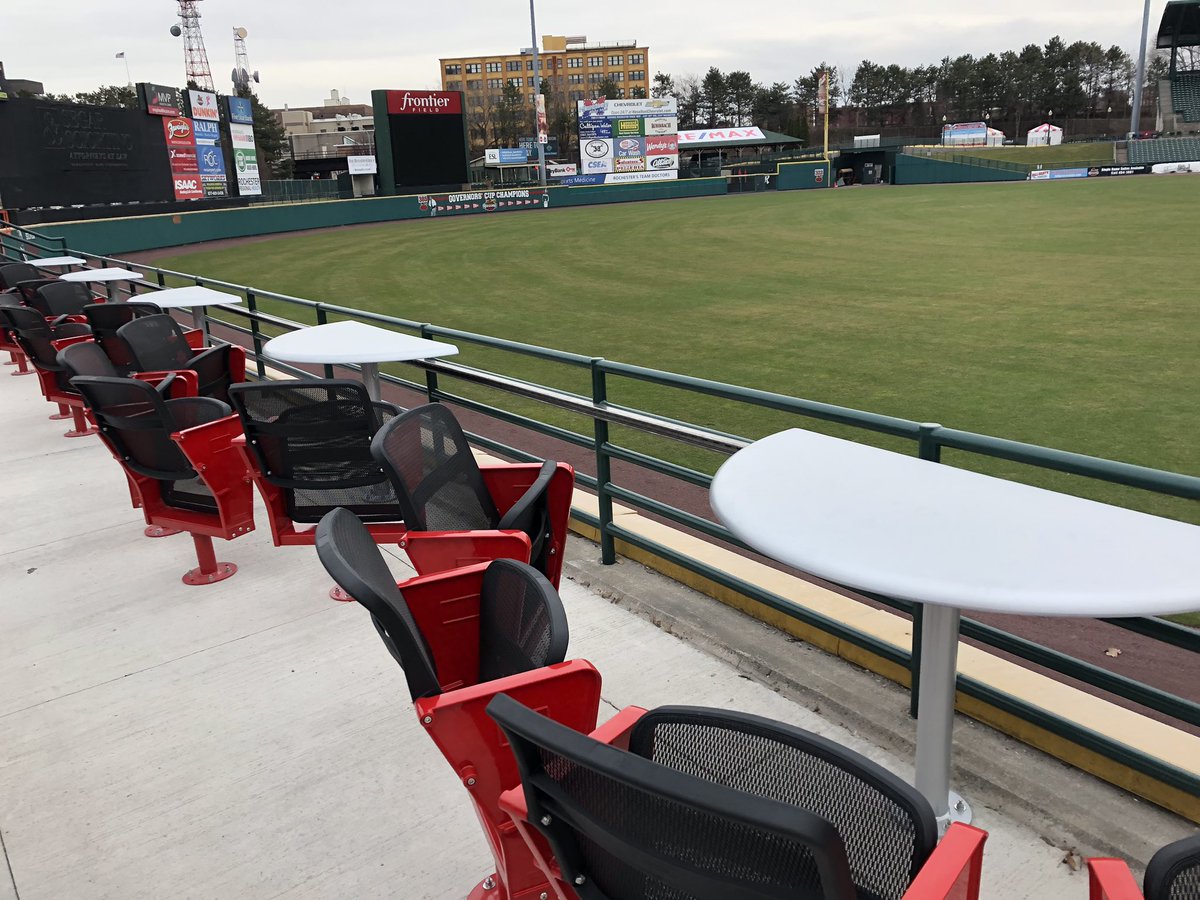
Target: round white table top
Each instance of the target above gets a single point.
(89, 275)
(353, 342)
(922, 531)
(55, 261)
(187, 296)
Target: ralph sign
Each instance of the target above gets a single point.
(402, 103)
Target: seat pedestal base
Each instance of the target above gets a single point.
(488, 889)
(157, 531)
(209, 571)
(74, 432)
(336, 593)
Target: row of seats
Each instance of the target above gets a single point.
(1185, 95)
(672, 802)
(1164, 150)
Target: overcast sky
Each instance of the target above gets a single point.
(303, 48)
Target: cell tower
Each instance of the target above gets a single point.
(194, 54)
(242, 76)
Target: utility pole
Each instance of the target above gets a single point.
(1135, 114)
(537, 92)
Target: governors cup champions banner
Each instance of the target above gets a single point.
(627, 140)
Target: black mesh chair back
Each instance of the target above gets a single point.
(522, 623)
(157, 344)
(106, 318)
(1174, 871)
(28, 290)
(86, 359)
(312, 439)
(13, 273)
(438, 483)
(710, 803)
(61, 298)
(33, 335)
(138, 423)
(353, 559)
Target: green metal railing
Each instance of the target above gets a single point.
(254, 327)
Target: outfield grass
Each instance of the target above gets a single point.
(1062, 314)
(1060, 155)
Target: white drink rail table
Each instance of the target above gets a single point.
(952, 539)
(103, 276)
(54, 262)
(195, 297)
(354, 342)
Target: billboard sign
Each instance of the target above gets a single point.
(209, 158)
(660, 146)
(618, 178)
(181, 151)
(626, 148)
(241, 110)
(543, 129)
(1057, 174)
(362, 165)
(1105, 171)
(528, 143)
(561, 171)
(161, 100)
(595, 128)
(655, 125)
(423, 103)
(506, 156)
(647, 106)
(203, 105)
(662, 163)
(625, 136)
(245, 160)
(627, 127)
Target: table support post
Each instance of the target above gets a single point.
(935, 716)
(200, 321)
(370, 377)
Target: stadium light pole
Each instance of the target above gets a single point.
(1135, 115)
(537, 92)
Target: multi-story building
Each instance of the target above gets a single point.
(574, 68)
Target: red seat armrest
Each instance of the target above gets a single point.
(438, 551)
(445, 607)
(68, 341)
(1110, 879)
(184, 385)
(953, 869)
(194, 338)
(615, 732)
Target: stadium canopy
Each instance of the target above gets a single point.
(1180, 25)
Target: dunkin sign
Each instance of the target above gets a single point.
(401, 103)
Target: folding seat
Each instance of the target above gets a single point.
(8, 342)
(474, 512)
(158, 344)
(41, 343)
(707, 803)
(1173, 874)
(307, 445)
(179, 458)
(105, 319)
(461, 637)
(12, 274)
(60, 301)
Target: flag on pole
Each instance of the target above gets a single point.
(120, 55)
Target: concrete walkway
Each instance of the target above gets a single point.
(253, 739)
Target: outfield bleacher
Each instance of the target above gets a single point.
(1185, 95)
(1164, 150)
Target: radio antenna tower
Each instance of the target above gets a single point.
(195, 56)
(242, 76)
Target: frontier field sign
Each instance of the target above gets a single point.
(627, 140)
(420, 140)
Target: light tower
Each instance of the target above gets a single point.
(194, 54)
(242, 76)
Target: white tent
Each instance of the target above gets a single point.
(1046, 134)
(995, 137)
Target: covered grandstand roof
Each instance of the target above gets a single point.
(1180, 25)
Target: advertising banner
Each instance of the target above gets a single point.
(662, 163)
(617, 178)
(203, 105)
(597, 148)
(245, 160)
(595, 128)
(529, 144)
(625, 148)
(362, 165)
(1095, 171)
(647, 106)
(626, 127)
(181, 151)
(161, 100)
(211, 161)
(694, 138)
(543, 130)
(1057, 174)
(561, 171)
(241, 111)
(506, 156)
(630, 164)
(659, 146)
(482, 201)
(656, 125)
